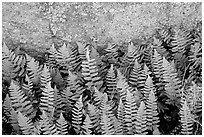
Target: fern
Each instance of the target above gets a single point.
(26, 125)
(157, 71)
(158, 45)
(33, 68)
(120, 116)
(94, 114)
(45, 76)
(87, 126)
(194, 98)
(63, 56)
(97, 97)
(47, 99)
(51, 57)
(141, 123)
(61, 125)
(77, 115)
(123, 86)
(181, 39)
(20, 101)
(58, 103)
(107, 121)
(46, 126)
(172, 84)
(28, 88)
(166, 35)
(89, 71)
(112, 50)
(186, 119)
(151, 111)
(14, 65)
(130, 109)
(111, 81)
(10, 112)
(133, 79)
(75, 60)
(148, 87)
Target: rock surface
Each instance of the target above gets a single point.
(38, 25)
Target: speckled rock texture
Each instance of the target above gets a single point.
(35, 26)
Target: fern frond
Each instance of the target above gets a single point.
(158, 45)
(90, 72)
(72, 81)
(67, 100)
(75, 60)
(61, 125)
(107, 125)
(58, 103)
(10, 112)
(181, 39)
(148, 87)
(19, 100)
(157, 72)
(45, 76)
(133, 79)
(77, 115)
(63, 55)
(26, 125)
(130, 108)
(47, 99)
(172, 83)
(141, 123)
(120, 116)
(111, 81)
(151, 111)
(186, 119)
(97, 97)
(112, 50)
(46, 125)
(28, 88)
(87, 126)
(33, 68)
(51, 59)
(166, 35)
(194, 98)
(94, 115)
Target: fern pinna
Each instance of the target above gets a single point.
(78, 91)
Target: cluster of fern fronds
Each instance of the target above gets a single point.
(152, 88)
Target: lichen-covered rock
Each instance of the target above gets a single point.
(38, 25)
